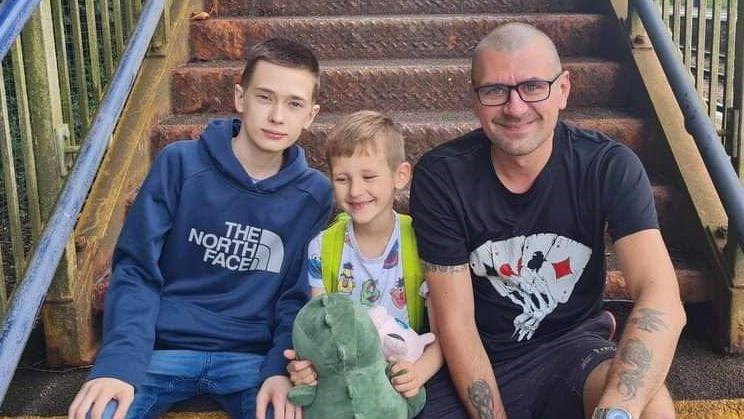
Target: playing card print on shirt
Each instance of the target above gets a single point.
(535, 272)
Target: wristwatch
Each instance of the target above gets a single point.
(611, 413)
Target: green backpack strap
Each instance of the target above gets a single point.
(413, 275)
(332, 247)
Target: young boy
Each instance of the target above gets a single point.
(208, 272)
(373, 258)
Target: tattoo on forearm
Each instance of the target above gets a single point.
(636, 360)
(649, 320)
(430, 267)
(480, 397)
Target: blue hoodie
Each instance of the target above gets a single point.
(208, 260)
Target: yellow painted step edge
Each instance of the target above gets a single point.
(710, 409)
(686, 409)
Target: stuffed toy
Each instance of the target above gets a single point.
(398, 340)
(338, 337)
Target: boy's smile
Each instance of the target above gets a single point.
(364, 186)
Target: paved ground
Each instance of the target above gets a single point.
(698, 373)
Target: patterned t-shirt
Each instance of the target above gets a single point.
(368, 281)
(537, 258)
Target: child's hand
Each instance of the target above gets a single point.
(300, 372)
(404, 378)
(274, 391)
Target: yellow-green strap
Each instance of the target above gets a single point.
(413, 275)
(332, 248)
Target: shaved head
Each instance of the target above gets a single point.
(512, 37)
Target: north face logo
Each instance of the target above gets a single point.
(241, 248)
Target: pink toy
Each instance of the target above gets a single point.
(398, 340)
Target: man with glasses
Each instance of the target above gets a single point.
(510, 221)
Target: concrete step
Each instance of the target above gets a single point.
(357, 7)
(393, 85)
(394, 37)
(703, 383)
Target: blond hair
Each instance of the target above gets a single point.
(364, 132)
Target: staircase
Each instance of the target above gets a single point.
(410, 60)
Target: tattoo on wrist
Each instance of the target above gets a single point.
(636, 360)
(481, 399)
(431, 267)
(649, 320)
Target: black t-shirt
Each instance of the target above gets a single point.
(537, 258)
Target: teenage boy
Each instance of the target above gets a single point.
(209, 269)
(372, 259)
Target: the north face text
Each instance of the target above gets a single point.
(241, 248)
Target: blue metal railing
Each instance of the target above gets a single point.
(13, 16)
(697, 123)
(30, 292)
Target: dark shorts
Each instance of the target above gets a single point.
(546, 382)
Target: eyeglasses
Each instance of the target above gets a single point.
(529, 91)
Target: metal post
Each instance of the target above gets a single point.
(45, 106)
(3, 294)
(735, 253)
(11, 189)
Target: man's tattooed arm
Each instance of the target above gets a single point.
(635, 358)
(430, 267)
(481, 399)
(646, 349)
(649, 320)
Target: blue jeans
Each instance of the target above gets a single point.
(231, 379)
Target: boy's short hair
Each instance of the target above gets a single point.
(283, 52)
(364, 131)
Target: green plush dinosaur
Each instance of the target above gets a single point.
(338, 337)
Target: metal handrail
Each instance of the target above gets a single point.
(13, 16)
(30, 293)
(697, 123)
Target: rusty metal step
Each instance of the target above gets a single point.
(356, 7)
(391, 37)
(424, 130)
(694, 279)
(392, 85)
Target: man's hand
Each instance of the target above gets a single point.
(274, 391)
(97, 393)
(404, 378)
(300, 372)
